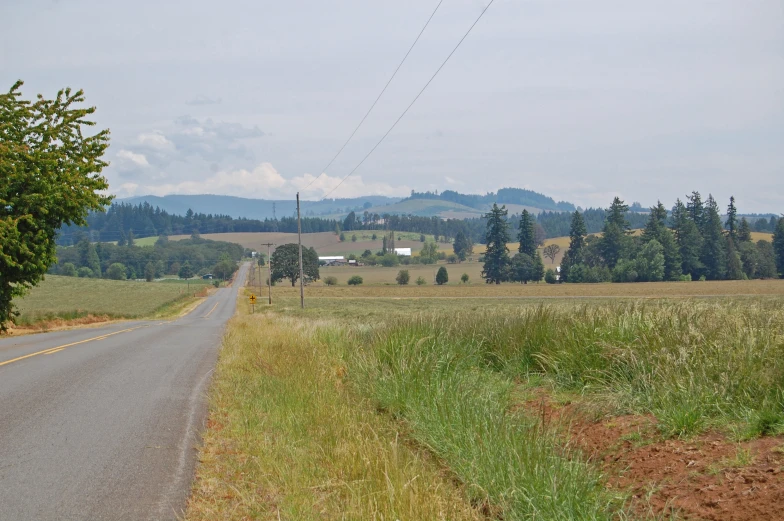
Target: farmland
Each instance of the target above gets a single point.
(476, 400)
(68, 298)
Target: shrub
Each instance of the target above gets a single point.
(422, 237)
(464, 278)
(389, 260)
(354, 238)
(420, 281)
(549, 277)
(116, 271)
(452, 258)
(331, 281)
(356, 280)
(68, 270)
(442, 277)
(403, 277)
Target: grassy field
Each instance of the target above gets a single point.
(71, 298)
(435, 386)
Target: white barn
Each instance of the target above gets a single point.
(405, 252)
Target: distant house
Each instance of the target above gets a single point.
(404, 252)
(207, 276)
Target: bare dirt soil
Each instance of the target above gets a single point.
(708, 477)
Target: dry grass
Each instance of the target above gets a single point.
(285, 440)
(70, 298)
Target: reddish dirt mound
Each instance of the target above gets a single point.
(707, 477)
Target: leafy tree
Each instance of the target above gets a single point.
(331, 281)
(342, 237)
(778, 245)
(463, 246)
(50, 169)
(551, 252)
(574, 255)
(420, 281)
(464, 278)
(402, 277)
(355, 280)
(84, 272)
(650, 263)
(527, 235)
(429, 253)
(225, 269)
(714, 251)
(744, 231)
(375, 237)
(496, 238)
(422, 237)
(285, 263)
(766, 269)
(442, 277)
(521, 268)
(549, 276)
(366, 254)
(354, 238)
(116, 271)
(390, 260)
(185, 271)
(688, 240)
(149, 272)
(351, 222)
(615, 242)
(749, 258)
(68, 270)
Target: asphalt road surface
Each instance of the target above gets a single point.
(102, 423)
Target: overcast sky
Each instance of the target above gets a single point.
(579, 100)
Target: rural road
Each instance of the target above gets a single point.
(101, 423)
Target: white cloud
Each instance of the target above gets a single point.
(265, 182)
(155, 140)
(126, 157)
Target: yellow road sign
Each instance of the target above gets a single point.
(252, 298)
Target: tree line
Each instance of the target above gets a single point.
(186, 258)
(692, 242)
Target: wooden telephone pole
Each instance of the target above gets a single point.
(301, 281)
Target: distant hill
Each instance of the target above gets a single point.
(238, 207)
(507, 196)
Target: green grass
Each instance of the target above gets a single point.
(71, 297)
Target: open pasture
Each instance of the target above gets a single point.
(71, 297)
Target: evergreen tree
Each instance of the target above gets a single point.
(732, 219)
(122, 240)
(696, 209)
(734, 265)
(714, 247)
(574, 255)
(744, 231)
(778, 246)
(615, 242)
(527, 234)
(442, 277)
(688, 240)
(538, 271)
(656, 229)
(521, 268)
(496, 237)
(766, 268)
(130, 240)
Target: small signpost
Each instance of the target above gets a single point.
(252, 299)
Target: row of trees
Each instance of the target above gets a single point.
(691, 243)
(499, 267)
(184, 258)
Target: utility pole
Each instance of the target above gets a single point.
(299, 237)
(269, 271)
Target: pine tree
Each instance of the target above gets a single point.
(496, 237)
(714, 251)
(615, 242)
(734, 265)
(462, 246)
(732, 219)
(688, 240)
(744, 231)
(696, 209)
(778, 246)
(574, 255)
(656, 229)
(93, 261)
(527, 234)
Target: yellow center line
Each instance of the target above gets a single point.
(55, 351)
(213, 309)
(60, 348)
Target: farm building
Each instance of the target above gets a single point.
(405, 252)
(332, 260)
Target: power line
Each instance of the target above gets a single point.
(414, 101)
(323, 170)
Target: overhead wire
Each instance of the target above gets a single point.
(324, 170)
(412, 103)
